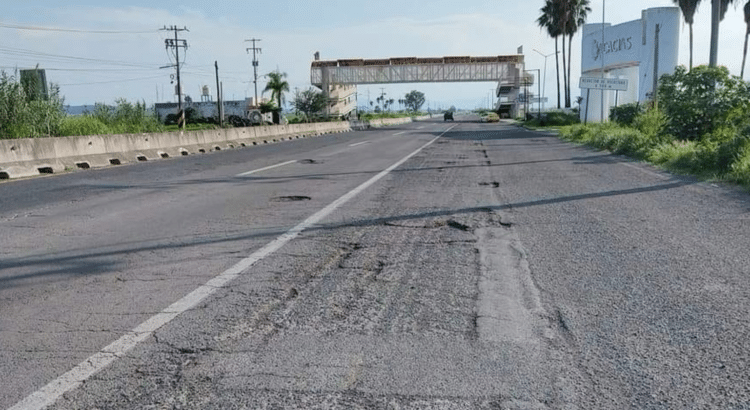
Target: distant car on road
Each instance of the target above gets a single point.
(448, 116)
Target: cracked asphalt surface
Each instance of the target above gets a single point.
(498, 268)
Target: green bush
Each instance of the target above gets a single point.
(125, 118)
(626, 114)
(740, 169)
(699, 101)
(653, 124)
(560, 118)
(685, 157)
(82, 125)
(23, 114)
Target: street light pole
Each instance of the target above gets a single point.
(538, 90)
(602, 53)
(544, 87)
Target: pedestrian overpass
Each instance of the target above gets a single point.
(507, 71)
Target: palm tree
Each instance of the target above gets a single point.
(747, 33)
(577, 11)
(550, 20)
(277, 86)
(688, 8)
(718, 11)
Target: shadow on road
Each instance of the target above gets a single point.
(86, 262)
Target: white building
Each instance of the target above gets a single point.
(628, 52)
(342, 100)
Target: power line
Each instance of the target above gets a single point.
(114, 81)
(70, 30)
(63, 58)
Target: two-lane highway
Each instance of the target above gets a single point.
(432, 265)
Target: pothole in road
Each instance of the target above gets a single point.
(438, 223)
(458, 225)
(492, 184)
(309, 161)
(291, 198)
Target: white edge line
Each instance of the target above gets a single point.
(359, 143)
(266, 168)
(48, 394)
(399, 133)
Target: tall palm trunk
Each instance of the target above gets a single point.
(746, 9)
(557, 70)
(715, 19)
(570, 53)
(690, 26)
(744, 56)
(565, 73)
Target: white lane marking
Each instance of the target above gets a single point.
(48, 394)
(266, 168)
(359, 143)
(399, 133)
(420, 127)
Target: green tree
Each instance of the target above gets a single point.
(309, 102)
(414, 100)
(25, 114)
(699, 101)
(688, 8)
(550, 20)
(277, 85)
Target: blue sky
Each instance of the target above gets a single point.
(100, 67)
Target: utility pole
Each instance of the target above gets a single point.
(601, 92)
(656, 67)
(218, 97)
(255, 65)
(176, 43)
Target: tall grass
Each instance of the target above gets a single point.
(26, 114)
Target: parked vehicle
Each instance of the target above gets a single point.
(448, 116)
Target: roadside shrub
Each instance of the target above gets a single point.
(740, 169)
(631, 142)
(626, 114)
(578, 133)
(685, 157)
(82, 125)
(560, 118)
(24, 114)
(653, 124)
(698, 101)
(126, 118)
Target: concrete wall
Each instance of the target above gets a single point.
(34, 156)
(628, 52)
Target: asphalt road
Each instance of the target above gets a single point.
(432, 265)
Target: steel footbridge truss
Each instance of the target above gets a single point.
(505, 70)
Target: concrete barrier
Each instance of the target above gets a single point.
(34, 156)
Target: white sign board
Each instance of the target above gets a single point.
(622, 46)
(604, 83)
(537, 100)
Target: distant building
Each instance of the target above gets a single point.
(206, 109)
(342, 100)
